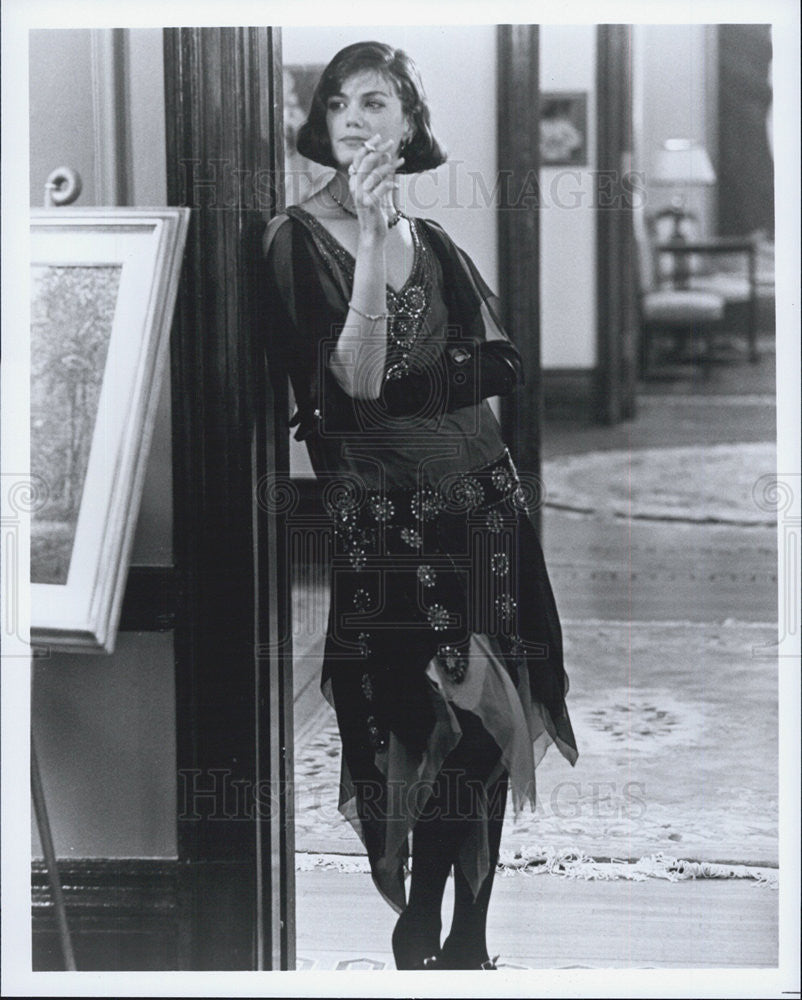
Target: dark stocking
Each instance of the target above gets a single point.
(436, 838)
(417, 933)
(466, 945)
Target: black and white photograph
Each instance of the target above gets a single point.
(103, 285)
(563, 129)
(400, 500)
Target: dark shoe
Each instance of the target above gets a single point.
(413, 949)
(454, 958)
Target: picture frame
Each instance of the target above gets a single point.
(103, 290)
(563, 128)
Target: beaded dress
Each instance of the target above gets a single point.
(440, 597)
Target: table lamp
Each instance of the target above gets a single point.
(681, 163)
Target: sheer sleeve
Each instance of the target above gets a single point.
(479, 361)
(288, 348)
(302, 315)
(472, 299)
(306, 304)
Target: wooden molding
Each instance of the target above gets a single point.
(111, 112)
(123, 913)
(615, 256)
(518, 117)
(570, 394)
(233, 673)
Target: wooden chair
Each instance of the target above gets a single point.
(721, 265)
(688, 317)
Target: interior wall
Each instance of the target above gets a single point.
(105, 734)
(62, 132)
(153, 540)
(105, 725)
(676, 74)
(457, 64)
(745, 160)
(568, 217)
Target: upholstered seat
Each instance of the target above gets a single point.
(686, 314)
(733, 287)
(678, 305)
(725, 266)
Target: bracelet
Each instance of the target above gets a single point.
(371, 316)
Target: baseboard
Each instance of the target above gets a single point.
(570, 394)
(122, 914)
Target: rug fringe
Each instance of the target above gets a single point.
(351, 864)
(575, 864)
(572, 864)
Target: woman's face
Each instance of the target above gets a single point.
(366, 105)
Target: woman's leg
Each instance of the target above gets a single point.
(437, 836)
(466, 945)
(416, 936)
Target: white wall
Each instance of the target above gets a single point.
(676, 81)
(457, 64)
(105, 725)
(153, 540)
(61, 109)
(567, 217)
(146, 117)
(105, 735)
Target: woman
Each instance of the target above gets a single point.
(443, 656)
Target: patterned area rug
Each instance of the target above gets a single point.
(724, 483)
(676, 726)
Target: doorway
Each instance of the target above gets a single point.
(497, 71)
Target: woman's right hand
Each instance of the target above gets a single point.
(371, 182)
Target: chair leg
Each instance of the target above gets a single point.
(751, 332)
(707, 357)
(643, 354)
(752, 310)
(642, 351)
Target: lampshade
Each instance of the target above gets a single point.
(681, 163)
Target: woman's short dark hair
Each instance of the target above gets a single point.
(421, 152)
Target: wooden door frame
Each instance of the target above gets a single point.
(519, 239)
(616, 322)
(233, 659)
(518, 116)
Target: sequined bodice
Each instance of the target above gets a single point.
(411, 451)
(406, 307)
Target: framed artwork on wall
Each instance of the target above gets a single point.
(103, 290)
(563, 128)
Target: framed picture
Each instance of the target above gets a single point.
(563, 128)
(103, 289)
